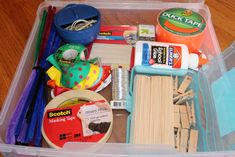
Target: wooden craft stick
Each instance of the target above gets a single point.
(193, 113)
(163, 114)
(167, 122)
(185, 84)
(171, 111)
(177, 116)
(156, 96)
(145, 109)
(193, 139)
(141, 110)
(145, 98)
(189, 113)
(184, 117)
(183, 140)
(140, 123)
(136, 112)
(153, 115)
(175, 86)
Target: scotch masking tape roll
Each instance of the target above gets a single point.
(183, 26)
(77, 116)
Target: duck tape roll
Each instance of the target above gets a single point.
(77, 116)
(183, 26)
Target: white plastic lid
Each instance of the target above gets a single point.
(193, 60)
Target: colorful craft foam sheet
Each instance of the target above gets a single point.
(70, 70)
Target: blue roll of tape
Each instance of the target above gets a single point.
(71, 13)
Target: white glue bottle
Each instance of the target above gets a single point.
(166, 55)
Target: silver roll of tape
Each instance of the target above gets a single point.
(120, 84)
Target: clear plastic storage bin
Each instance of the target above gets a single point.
(121, 13)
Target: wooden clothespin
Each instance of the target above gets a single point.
(177, 138)
(177, 116)
(184, 117)
(183, 140)
(193, 114)
(180, 96)
(185, 97)
(185, 84)
(193, 139)
(189, 113)
(176, 98)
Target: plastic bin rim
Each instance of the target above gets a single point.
(130, 1)
(129, 4)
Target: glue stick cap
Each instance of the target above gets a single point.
(195, 61)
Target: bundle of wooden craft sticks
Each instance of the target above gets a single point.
(164, 112)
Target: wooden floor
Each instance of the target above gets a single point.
(17, 18)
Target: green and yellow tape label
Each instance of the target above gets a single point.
(182, 21)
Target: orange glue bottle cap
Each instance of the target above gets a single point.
(195, 60)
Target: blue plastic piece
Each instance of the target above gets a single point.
(129, 108)
(146, 54)
(224, 98)
(202, 143)
(110, 37)
(147, 70)
(73, 12)
(139, 69)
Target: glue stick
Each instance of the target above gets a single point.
(166, 55)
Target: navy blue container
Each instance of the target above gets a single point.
(71, 13)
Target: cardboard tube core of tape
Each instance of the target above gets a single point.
(183, 26)
(66, 101)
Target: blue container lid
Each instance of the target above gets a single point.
(71, 13)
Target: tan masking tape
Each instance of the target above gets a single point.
(62, 99)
